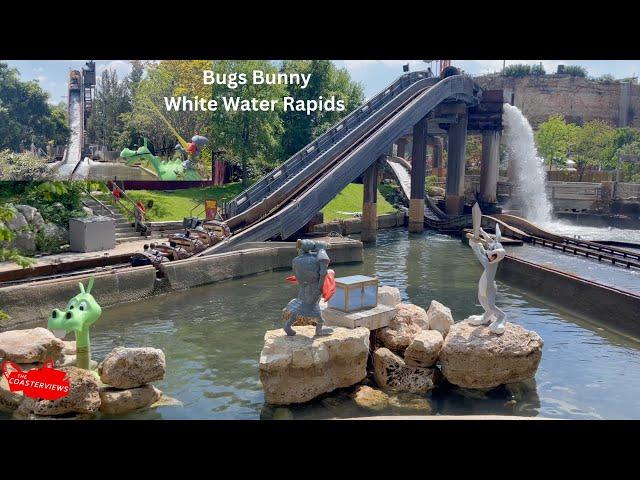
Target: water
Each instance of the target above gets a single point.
(529, 171)
(591, 269)
(74, 152)
(586, 232)
(212, 337)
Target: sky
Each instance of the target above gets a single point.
(374, 75)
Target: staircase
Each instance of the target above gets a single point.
(125, 230)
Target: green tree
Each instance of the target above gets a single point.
(25, 114)
(252, 139)
(113, 99)
(555, 139)
(594, 146)
(326, 80)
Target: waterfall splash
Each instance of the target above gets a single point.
(530, 175)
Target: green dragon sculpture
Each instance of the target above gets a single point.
(81, 312)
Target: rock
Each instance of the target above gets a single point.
(439, 317)
(297, 369)
(300, 321)
(423, 351)
(409, 403)
(408, 322)
(67, 361)
(18, 222)
(25, 242)
(392, 373)
(167, 401)
(434, 191)
(69, 347)
(9, 401)
(389, 296)
(370, 398)
(88, 211)
(84, 396)
(282, 413)
(473, 357)
(27, 211)
(132, 367)
(113, 401)
(30, 345)
(56, 232)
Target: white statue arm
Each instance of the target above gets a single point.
(480, 252)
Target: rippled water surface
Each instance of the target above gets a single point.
(212, 337)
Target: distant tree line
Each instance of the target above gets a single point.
(257, 141)
(25, 114)
(593, 146)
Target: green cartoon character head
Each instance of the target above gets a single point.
(81, 312)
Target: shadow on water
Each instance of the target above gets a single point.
(212, 337)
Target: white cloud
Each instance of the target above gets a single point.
(122, 67)
(38, 69)
(41, 78)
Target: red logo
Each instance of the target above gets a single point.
(45, 382)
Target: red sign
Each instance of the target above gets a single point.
(45, 382)
(211, 208)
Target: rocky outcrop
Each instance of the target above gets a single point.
(439, 317)
(296, 369)
(392, 373)
(424, 349)
(409, 321)
(473, 357)
(30, 345)
(410, 404)
(84, 397)
(370, 398)
(389, 296)
(27, 225)
(114, 401)
(9, 401)
(132, 367)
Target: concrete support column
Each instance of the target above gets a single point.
(489, 166)
(437, 157)
(369, 204)
(418, 170)
(454, 200)
(402, 147)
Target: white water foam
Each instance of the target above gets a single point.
(529, 172)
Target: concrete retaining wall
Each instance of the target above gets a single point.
(610, 306)
(248, 260)
(33, 302)
(349, 226)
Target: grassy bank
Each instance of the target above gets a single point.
(177, 204)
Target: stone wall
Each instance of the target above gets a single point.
(578, 99)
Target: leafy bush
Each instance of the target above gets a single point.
(538, 70)
(606, 78)
(575, 71)
(57, 202)
(22, 166)
(517, 70)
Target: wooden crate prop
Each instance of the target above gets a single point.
(353, 293)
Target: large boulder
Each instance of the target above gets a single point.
(24, 242)
(370, 398)
(474, 357)
(409, 321)
(115, 401)
(30, 345)
(439, 317)
(132, 367)
(424, 350)
(83, 397)
(389, 296)
(296, 369)
(18, 222)
(59, 234)
(392, 373)
(31, 215)
(9, 401)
